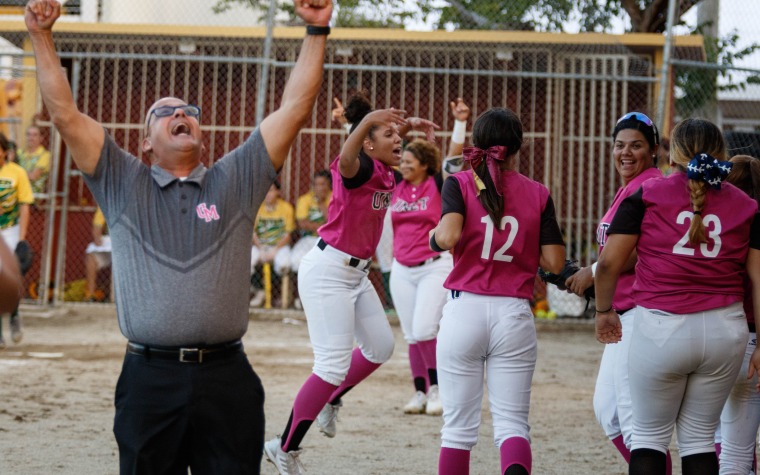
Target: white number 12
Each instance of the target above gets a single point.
(499, 255)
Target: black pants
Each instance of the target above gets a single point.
(172, 415)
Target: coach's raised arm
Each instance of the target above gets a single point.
(82, 134)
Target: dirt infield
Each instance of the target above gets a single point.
(56, 413)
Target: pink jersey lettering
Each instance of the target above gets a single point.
(356, 215)
(415, 210)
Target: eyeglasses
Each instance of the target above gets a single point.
(644, 119)
(190, 110)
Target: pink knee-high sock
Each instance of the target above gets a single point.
(717, 450)
(454, 462)
(427, 348)
(417, 363)
(620, 445)
(668, 463)
(516, 450)
(360, 368)
(311, 398)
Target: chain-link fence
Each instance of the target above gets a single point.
(568, 89)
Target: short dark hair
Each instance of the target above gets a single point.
(324, 174)
(630, 121)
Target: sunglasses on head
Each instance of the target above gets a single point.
(644, 119)
(190, 110)
(636, 116)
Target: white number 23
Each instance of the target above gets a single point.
(708, 249)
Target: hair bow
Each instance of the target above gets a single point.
(708, 169)
(494, 154)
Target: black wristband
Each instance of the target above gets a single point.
(603, 311)
(317, 30)
(434, 245)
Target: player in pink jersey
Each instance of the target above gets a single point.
(694, 237)
(417, 272)
(635, 142)
(739, 422)
(338, 298)
(501, 226)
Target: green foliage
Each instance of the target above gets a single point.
(348, 13)
(699, 87)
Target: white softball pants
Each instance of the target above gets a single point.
(300, 249)
(11, 236)
(740, 420)
(419, 297)
(612, 394)
(341, 306)
(682, 369)
(491, 338)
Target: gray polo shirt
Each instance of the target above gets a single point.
(182, 249)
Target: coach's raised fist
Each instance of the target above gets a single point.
(314, 12)
(40, 15)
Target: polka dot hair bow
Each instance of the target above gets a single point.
(494, 154)
(708, 169)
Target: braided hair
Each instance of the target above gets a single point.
(690, 138)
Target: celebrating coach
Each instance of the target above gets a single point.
(187, 396)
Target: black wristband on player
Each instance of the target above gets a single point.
(317, 30)
(434, 245)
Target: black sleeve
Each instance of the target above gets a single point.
(451, 195)
(754, 234)
(366, 167)
(438, 177)
(629, 215)
(550, 232)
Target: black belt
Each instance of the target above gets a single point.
(751, 326)
(428, 261)
(186, 355)
(353, 262)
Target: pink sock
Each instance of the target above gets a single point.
(417, 363)
(454, 462)
(311, 398)
(668, 464)
(360, 368)
(717, 450)
(620, 445)
(516, 450)
(427, 348)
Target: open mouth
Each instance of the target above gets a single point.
(397, 151)
(181, 129)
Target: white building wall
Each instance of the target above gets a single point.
(172, 12)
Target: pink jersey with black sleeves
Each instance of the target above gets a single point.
(673, 275)
(415, 210)
(356, 214)
(503, 262)
(623, 299)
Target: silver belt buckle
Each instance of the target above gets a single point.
(190, 355)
